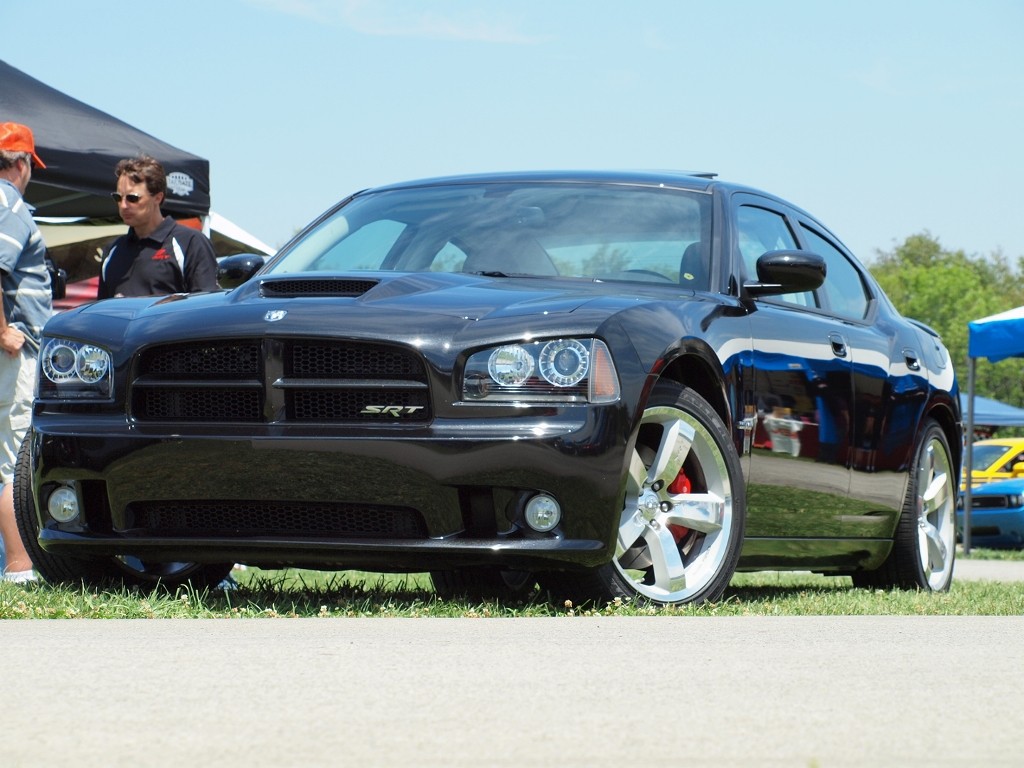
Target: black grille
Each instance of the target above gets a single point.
(272, 518)
(348, 361)
(315, 287)
(202, 361)
(257, 381)
(214, 404)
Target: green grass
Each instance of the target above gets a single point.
(299, 593)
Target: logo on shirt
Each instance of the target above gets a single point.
(180, 184)
(161, 255)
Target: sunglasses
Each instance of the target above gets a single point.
(131, 197)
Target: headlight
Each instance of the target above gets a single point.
(510, 366)
(560, 370)
(565, 362)
(71, 369)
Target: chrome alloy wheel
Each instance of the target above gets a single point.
(674, 533)
(935, 504)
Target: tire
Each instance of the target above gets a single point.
(676, 544)
(105, 571)
(482, 583)
(924, 545)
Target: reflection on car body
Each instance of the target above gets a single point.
(618, 385)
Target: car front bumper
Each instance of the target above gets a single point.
(398, 499)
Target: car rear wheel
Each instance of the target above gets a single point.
(130, 571)
(924, 545)
(681, 528)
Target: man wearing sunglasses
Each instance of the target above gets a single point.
(27, 305)
(158, 256)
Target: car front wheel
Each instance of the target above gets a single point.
(681, 528)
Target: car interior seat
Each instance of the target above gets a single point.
(515, 254)
(693, 267)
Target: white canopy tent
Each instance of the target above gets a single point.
(234, 235)
(998, 337)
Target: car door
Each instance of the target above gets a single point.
(889, 387)
(800, 458)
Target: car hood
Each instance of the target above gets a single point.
(370, 305)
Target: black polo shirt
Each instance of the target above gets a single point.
(151, 266)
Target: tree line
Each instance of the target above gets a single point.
(946, 290)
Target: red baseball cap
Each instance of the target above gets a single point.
(15, 137)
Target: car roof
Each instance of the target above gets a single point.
(697, 181)
(693, 180)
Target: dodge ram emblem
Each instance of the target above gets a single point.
(274, 315)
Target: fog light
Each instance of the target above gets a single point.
(63, 505)
(543, 513)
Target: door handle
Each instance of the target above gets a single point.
(912, 359)
(838, 344)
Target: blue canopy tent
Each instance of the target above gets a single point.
(992, 413)
(998, 337)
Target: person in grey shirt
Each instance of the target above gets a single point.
(28, 304)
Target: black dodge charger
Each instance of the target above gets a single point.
(608, 384)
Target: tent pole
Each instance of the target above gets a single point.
(969, 450)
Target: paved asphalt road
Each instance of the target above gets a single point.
(612, 691)
(972, 569)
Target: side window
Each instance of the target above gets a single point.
(761, 230)
(843, 287)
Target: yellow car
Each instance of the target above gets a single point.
(996, 459)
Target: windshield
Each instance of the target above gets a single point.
(612, 232)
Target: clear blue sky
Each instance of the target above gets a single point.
(883, 118)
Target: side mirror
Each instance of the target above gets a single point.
(232, 271)
(1017, 469)
(781, 272)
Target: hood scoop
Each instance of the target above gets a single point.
(289, 288)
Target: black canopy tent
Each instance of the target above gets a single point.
(80, 146)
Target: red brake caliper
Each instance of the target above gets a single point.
(680, 485)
